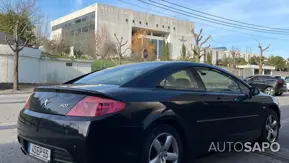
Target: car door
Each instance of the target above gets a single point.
(231, 114)
(186, 98)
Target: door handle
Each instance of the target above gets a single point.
(219, 99)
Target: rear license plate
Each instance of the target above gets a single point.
(39, 152)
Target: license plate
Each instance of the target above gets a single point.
(39, 152)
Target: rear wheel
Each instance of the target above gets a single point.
(270, 128)
(278, 94)
(162, 145)
(270, 91)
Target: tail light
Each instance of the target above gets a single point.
(27, 103)
(280, 81)
(95, 106)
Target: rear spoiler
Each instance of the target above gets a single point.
(79, 77)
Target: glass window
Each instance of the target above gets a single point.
(216, 81)
(117, 75)
(78, 21)
(180, 80)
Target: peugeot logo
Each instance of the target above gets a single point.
(46, 102)
(64, 105)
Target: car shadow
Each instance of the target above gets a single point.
(10, 152)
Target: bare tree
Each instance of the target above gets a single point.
(234, 55)
(16, 44)
(197, 47)
(119, 49)
(101, 45)
(261, 61)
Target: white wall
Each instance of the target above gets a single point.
(33, 69)
(56, 71)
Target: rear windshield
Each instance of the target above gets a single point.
(117, 75)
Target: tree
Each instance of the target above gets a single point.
(261, 61)
(209, 57)
(276, 61)
(100, 45)
(165, 51)
(18, 18)
(140, 43)
(58, 47)
(241, 61)
(255, 60)
(119, 49)
(185, 54)
(197, 46)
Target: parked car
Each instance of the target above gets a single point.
(268, 84)
(150, 112)
(287, 83)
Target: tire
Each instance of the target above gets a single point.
(278, 94)
(265, 130)
(155, 138)
(270, 91)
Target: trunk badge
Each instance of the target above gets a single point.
(64, 105)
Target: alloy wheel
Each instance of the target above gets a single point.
(269, 91)
(271, 128)
(164, 149)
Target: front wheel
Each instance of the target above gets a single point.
(270, 91)
(270, 128)
(162, 145)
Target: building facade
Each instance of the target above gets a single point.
(78, 27)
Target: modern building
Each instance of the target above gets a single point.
(80, 25)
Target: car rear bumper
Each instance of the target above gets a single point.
(281, 89)
(73, 140)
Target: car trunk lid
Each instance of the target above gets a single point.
(59, 100)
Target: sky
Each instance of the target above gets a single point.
(270, 13)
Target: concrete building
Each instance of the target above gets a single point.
(78, 27)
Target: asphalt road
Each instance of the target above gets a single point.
(10, 149)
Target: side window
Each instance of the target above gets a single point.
(180, 80)
(243, 88)
(216, 81)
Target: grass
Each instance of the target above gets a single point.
(98, 64)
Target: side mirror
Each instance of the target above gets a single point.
(254, 91)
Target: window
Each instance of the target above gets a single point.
(139, 22)
(174, 28)
(117, 75)
(180, 80)
(83, 19)
(71, 33)
(133, 21)
(157, 25)
(78, 21)
(163, 26)
(169, 27)
(85, 29)
(147, 23)
(68, 64)
(126, 20)
(216, 81)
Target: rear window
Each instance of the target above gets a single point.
(117, 75)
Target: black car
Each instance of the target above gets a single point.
(151, 112)
(271, 85)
